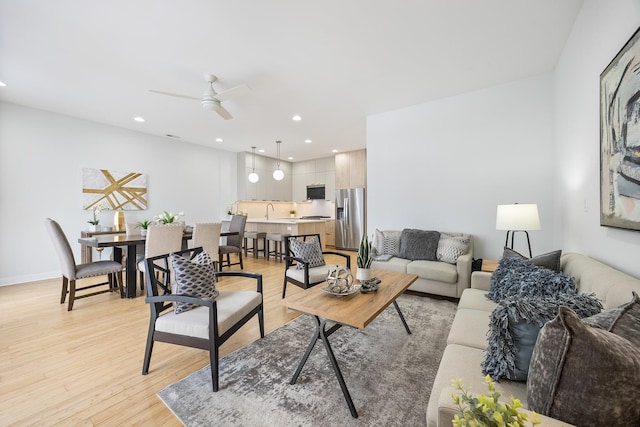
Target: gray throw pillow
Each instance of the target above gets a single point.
(387, 242)
(516, 276)
(309, 250)
(550, 260)
(194, 277)
(452, 246)
(419, 244)
(513, 329)
(584, 375)
(623, 320)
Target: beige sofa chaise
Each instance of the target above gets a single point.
(434, 276)
(467, 339)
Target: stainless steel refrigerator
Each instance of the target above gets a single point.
(350, 218)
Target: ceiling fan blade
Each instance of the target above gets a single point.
(174, 94)
(233, 92)
(223, 112)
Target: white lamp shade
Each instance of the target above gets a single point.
(278, 175)
(517, 217)
(253, 177)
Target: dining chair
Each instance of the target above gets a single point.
(161, 239)
(234, 243)
(304, 261)
(211, 321)
(71, 272)
(207, 236)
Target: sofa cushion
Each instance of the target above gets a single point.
(393, 264)
(550, 260)
(452, 246)
(514, 327)
(194, 277)
(386, 242)
(433, 270)
(518, 277)
(584, 375)
(476, 299)
(470, 328)
(419, 244)
(623, 320)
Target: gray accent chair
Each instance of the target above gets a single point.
(234, 243)
(306, 276)
(72, 271)
(207, 326)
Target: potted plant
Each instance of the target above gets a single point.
(143, 225)
(168, 217)
(292, 212)
(96, 211)
(364, 259)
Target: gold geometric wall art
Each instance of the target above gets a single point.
(118, 190)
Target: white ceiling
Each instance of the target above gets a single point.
(333, 61)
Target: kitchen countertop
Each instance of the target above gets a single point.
(285, 220)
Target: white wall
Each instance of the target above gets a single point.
(446, 165)
(41, 159)
(600, 31)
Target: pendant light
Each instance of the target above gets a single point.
(253, 176)
(278, 175)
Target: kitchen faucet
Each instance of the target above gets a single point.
(267, 207)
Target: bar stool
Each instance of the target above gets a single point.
(256, 236)
(278, 239)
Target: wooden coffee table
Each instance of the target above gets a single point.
(357, 311)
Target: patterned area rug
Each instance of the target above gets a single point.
(388, 372)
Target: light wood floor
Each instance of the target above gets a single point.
(84, 367)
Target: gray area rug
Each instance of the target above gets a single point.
(388, 372)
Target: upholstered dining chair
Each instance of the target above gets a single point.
(71, 272)
(234, 243)
(207, 236)
(161, 239)
(304, 261)
(214, 316)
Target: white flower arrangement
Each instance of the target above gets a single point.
(96, 211)
(168, 217)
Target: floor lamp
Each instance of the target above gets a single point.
(517, 217)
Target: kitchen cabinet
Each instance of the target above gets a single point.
(313, 172)
(266, 188)
(351, 169)
(330, 233)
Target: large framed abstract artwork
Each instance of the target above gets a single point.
(116, 190)
(620, 138)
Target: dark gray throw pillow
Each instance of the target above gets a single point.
(195, 277)
(584, 375)
(550, 260)
(514, 327)
(623, 320)
(516, 276)
(419, 244)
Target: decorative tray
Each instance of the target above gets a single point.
(351, 291)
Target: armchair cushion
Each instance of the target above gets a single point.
(316, 274)
(309, 251)
(231, 307)
(195, 277)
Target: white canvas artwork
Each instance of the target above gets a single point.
(117, 190)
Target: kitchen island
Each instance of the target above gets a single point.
(293, 226)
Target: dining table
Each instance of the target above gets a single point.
(130, 241)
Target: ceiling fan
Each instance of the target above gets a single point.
(212, 100)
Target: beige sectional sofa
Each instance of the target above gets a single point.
(434, 277)
(467, 339)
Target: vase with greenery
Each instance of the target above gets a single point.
(364, 259)
(143, 226)
(487, 410)
(96, 211)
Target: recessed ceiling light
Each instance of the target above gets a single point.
(289, 158)
(139, 119)
(2, 84)
(296, 118)
(218, 139)
(261, 150)
(334, 151)
(308, 141)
